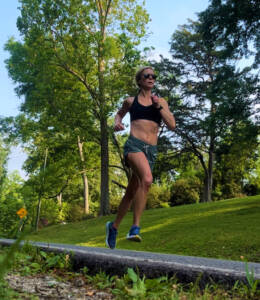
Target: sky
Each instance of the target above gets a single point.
(165, 16)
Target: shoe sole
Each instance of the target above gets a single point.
(134, 238)
(107, 233)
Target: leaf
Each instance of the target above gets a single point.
(43, 254)
(131, 273)
(35, 266)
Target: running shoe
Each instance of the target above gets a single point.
(111, 234)
(134, 234)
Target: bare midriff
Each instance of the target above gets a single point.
(145, 130)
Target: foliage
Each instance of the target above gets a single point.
(11, 201)
(158, 196)
(6, 264)
(32, 261)
(51, 212)
(236, 161)
(3, 161)
(236, 24)
(252, 282)
(133, 286)
(252, 185)
(7, 261)
(129, 286)
(212, 101)
(185, 191)
(74, 212)
(77, 60)
(118, 172)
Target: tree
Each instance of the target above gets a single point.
(94, 42)
(10, 202)
(213, 96)
(236, 158)
(4, 151)
(235, 24)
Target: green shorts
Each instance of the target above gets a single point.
(134, 145)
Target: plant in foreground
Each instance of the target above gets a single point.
(253, 283)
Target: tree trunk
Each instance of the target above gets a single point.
(84, 177)
(208, 181)
(59, 199)
(41, 192)
(207, 190)
(104, 188)
(209, 177)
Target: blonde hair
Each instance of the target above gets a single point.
(139, 73)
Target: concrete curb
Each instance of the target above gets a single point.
(186, 268)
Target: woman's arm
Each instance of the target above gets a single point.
(121, 113)
(167, 116)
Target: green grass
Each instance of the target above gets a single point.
(225, 229)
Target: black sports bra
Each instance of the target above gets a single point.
(138, 111)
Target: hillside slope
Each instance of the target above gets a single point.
(228, 229)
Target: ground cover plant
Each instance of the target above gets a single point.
(227, 229)
(33, 263)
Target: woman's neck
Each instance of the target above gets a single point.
(146, 94)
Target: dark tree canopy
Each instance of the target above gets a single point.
(236, 24)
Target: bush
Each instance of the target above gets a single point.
(217, 193)
(114, 203)
(185, 191)
(52, 213)
(49, 211)
(11, 201)
(158, 196)
(75, 213)
(232, 190)
(251, 189)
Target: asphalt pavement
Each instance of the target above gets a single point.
(152, 265)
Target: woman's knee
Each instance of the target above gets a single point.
(147, 180)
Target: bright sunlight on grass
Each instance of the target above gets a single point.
(225, 229)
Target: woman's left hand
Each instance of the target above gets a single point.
(156, 101)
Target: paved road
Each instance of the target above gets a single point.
(186, 268)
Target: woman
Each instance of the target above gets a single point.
(146, 112)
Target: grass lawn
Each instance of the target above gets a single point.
(225, 229)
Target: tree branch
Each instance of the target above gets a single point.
(119, 184)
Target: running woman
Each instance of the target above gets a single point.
(147, 111)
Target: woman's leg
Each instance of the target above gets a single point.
(141, 168)
(137, 188)
(126, 200)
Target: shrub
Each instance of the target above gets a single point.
(217, 193)
(251, 189)
(11, 201)
(114, 203)
(75, 212)
(49, 211)
(185, 191)
(158, 196)
(232, 190)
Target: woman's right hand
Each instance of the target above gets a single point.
(119, 126)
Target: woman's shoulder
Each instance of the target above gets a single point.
(129, 101)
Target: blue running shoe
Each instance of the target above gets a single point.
(134, 234)
(111, 234)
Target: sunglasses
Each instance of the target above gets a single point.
(153, 76)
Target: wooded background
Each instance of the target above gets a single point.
(75, 65)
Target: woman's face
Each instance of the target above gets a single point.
(147, 79)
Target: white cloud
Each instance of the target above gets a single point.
(155, 54)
